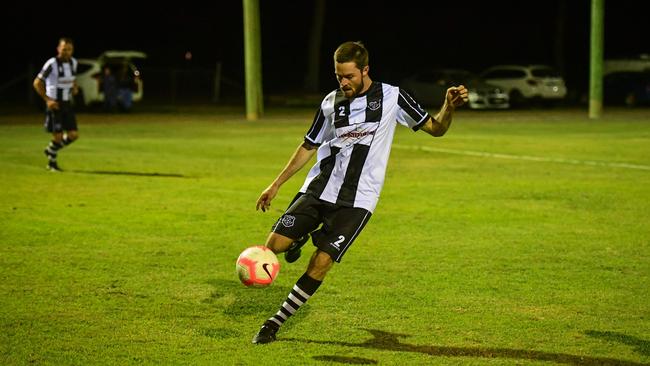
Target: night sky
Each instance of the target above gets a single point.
(401, 36)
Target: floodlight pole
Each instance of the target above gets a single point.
(596, 59)
(253, 60)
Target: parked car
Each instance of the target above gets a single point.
(630, 88)
(638, 64)
(90, 75)
(429, 88)
(527, 83)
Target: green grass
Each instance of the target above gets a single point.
(128, 257)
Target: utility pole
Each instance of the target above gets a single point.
(596, 59)
(253, 60)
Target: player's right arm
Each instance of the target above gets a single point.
(301, 156)
(39, 86)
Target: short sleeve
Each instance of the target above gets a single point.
(46, 70)
(410, 113)
(320, 131)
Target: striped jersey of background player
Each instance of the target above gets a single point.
(351, 137)
(56, 84)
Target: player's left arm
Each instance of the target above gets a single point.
(439, 124)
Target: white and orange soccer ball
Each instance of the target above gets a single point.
(257, 266)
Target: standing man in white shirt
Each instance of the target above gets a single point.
(55, 83)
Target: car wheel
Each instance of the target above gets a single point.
(517, 99)
(79, 101)
(630, 100)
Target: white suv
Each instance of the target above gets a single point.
(526, 83)
(90, 74)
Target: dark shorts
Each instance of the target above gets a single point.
(60, 120)
(340, 225)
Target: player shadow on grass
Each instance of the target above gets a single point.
(390, 342)
(136, 174)
(346, 360)
(640, 345)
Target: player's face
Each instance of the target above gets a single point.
(350, 78)
(65, 50)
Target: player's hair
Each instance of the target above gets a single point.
(352, 52)
(67, 40)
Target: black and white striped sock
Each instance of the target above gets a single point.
(301, 292)
(52, 149)
(67, 141)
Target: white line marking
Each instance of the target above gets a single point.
(524, 157)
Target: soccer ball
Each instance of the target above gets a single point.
(257, 266)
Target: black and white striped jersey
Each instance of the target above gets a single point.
(59, 78)
(354, 138)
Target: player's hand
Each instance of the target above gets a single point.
(264, 202)
(52, 104)
(457, 95)
(75, 90)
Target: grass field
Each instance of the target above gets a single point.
(519, 238)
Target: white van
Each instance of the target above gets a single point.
(641, 64)
(90, 74)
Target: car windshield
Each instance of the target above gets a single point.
(545, 72)
(461, 77)
(446, 76)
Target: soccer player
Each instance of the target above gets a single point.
(55, 83)
(351, 136)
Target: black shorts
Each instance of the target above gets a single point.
(340, 225)
(60, 120)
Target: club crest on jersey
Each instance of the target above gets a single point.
(374, 105)
(288, 220)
